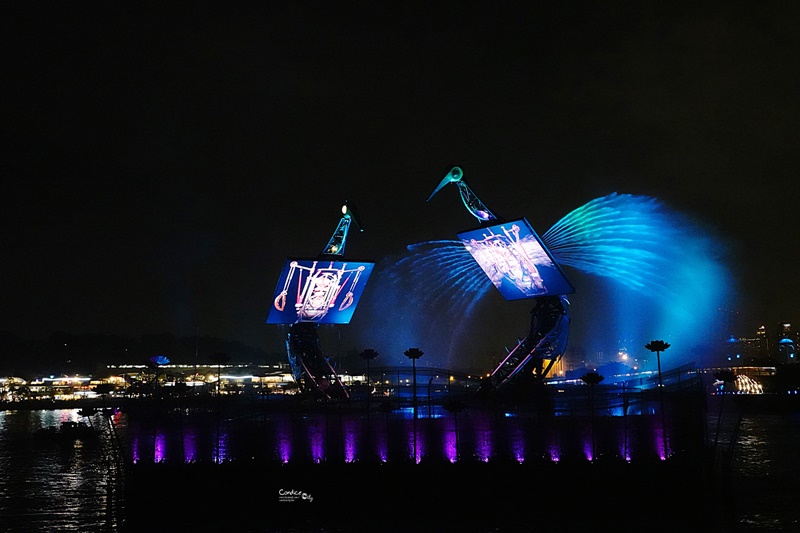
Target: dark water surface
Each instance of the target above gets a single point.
(204, 472)
(47, 485)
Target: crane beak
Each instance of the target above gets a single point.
(453, 176)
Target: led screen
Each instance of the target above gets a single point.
(516, 261)
(326, 292)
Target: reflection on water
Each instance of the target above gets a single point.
(52, 486)
(762, 442)
(766, 472)
(72, 486)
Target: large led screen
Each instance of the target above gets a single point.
(516, 260)
(326, 292)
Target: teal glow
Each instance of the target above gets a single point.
(635, 241)
(662, 275)
(432, 296)
(641, 271)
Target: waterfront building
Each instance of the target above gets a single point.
(786, 344)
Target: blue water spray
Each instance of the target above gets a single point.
(655, 274)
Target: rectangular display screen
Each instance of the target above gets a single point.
(516, 260)
(326, 292)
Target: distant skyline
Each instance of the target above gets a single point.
(162, 163)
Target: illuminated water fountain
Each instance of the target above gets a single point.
(664, 274)
(344, 437)
(642, 271)
(664, 277)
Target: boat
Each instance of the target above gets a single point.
(68, 430)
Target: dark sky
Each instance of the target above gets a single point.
(161, 161)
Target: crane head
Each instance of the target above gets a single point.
(453, 176)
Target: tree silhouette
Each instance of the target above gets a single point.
(414, 354)
(658, 347)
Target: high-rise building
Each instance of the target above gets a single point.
(761, 345)
(785, 344)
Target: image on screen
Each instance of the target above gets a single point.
(516, 260)
(326, 292)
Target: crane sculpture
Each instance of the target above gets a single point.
(325, 290)
(520, 266)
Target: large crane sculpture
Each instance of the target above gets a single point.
(326, 290)
(533, 356)
(471, 201)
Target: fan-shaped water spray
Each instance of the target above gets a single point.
(426, 298)
(630, 239)
(655, 274)
(663, 275)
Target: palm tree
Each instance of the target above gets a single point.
(658, 347)
(592, 379)
(414, 354)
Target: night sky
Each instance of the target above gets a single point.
(160, 162)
